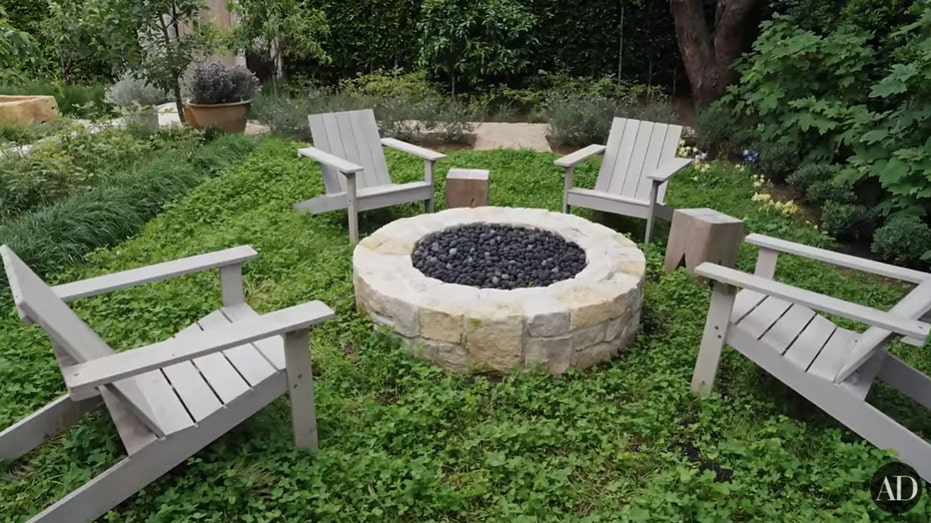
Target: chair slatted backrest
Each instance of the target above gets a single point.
(636, 148)
(913, 306)
(37, 302)
(352, 136)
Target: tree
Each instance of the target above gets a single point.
(156, 40)
(280, 28)
(710, 47)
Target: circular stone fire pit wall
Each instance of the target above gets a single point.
(577, 322)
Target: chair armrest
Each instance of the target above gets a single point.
(343, 166)
(571, 159)
(83, 376)
(664, 172)
(845, 309)
(152, 273)
(416, 150)
(836, 258)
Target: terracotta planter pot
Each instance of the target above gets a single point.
(189, 119)
(226, 117)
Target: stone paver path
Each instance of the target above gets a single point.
(488, 135)
(500, 135)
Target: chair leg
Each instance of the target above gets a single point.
(712, 341)
(113, 486)
(654, 191)
(428, 206)
(568, 183)
(301, 388)
(43, 424)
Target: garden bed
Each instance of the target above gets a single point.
(401, 440)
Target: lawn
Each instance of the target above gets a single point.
(404, 441)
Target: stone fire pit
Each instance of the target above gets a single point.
(579, 321)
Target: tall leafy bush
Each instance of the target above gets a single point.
(892, 131)
(475, 42)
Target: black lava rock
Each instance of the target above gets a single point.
(497, 256)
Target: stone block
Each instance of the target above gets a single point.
(554, 353)
(495, 340)
(588, 336)
(594, 355)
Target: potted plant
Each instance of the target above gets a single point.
(136, 100)
(221, 96)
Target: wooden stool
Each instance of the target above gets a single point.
(466, 188)
(700, 235)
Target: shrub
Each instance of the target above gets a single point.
(129, 92)
(718, 132)
(580, 121)
(76, 160)
(393, 83)
(62, 234)
(287, 116)
(217, 83)
(905, 239)
(412, 119)
(808, 174)
(475, 42)
(778, 159)
(12, 134)
(847, 221)
(830, 191)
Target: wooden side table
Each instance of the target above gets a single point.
(700, 235)
(466, 188)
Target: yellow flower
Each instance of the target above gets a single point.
(761, 197)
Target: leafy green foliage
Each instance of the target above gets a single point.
(13, 134)
(581, 39)
(406, 106)
(905, 239)
(891, 133)
(580, 110)
(280, 29)
(809, 174)
(62, 234)
(846, 84)
(71, 39)
(847, 221)
(137, 36)
(19, 51)
(798, 85)
(75, 160)
(719, 132)
(404, 441)
(778, 159)
(76, 101)
(475, 42)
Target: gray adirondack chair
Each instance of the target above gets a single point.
(777, 327)
(170, 399)
(639, 158)
(355, 173)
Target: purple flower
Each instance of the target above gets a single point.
(751, 155)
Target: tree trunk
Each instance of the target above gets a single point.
(179, 105)
(708, 50)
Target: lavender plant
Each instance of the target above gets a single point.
(217, 83)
